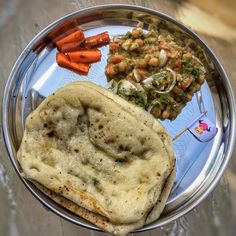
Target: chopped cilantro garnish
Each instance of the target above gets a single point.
(186, 63)
(164, 99)
(195, 73)
(160, 74)
(187, 67)
(139, 98)
(139, 101)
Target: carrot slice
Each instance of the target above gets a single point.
(62, 32)
(76, 36)
(97, 40)
(64, 61)
(85, 56)
(70, 47)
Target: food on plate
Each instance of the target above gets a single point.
(98, 40)
(155, 70)
(64, 61)
(75, 36)
(71, 47)
(99, 156)
(85, 56)
(78, 49)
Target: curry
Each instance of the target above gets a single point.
(154, 70)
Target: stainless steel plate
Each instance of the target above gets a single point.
(35, 75)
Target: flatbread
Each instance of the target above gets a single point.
(99, 156)
(144, 117)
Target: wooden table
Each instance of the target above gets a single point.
(20, 20)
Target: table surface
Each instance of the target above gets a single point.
(20, 20)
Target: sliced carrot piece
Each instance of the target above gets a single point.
(97, 40)
(85, 56)
(62, 32)
(64, 61)
(75, 36)
(70, 47)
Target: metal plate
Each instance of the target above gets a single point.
(35, 75)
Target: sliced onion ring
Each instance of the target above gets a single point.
(136, 75)
(172, 84)
(148, 82)
(201, 67)
(162, 58)
(126, 87)
(153, 104)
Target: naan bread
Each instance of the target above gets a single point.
(99, 156)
